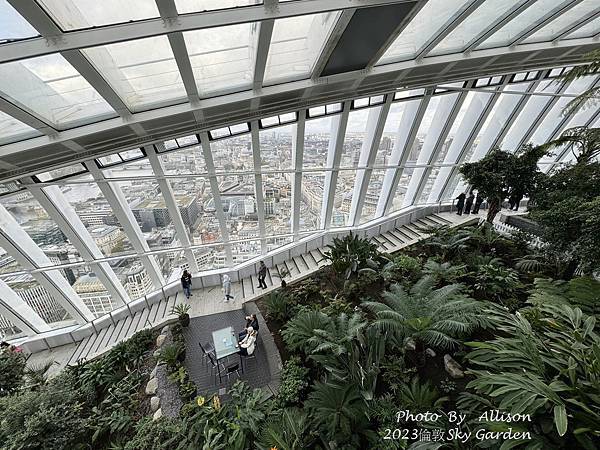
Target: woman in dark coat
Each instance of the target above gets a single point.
(469, 203)
(460, 204)
(478, 202)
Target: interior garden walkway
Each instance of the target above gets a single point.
(209, 301)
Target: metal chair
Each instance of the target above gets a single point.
(214, 365)
(233, 368)
(206, 349)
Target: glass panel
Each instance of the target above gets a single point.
(422, 27)
(398, 199)
(316, 142)
(12, 130)
(343, 198)
(222, 58)
(40, 300)
(239, 205)
(44, 231)
(97, 215)
(590, 29)
(188, 6)
(243, 251)
(457, 125)
(131, 154)
(277, 193)
(134, 277)
(197, 208)
(360, 102)
(276, 148)
(373, 194)
(423, 130)
(109, 160)
(570, 17)
(512, 29)
(353, 140)
(187, 140)
(51, 88)
(296, 44)
(208, 258)
(473, 26)
(8, 330)
(183, 162)
(277, 242)
(75, 14)
(93, 293)
(13, 25)
(311, 200)
(136, 169)
(233, 154)
(143, 72)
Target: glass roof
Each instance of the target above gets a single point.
(54, 90)
(12, 25)
(189, 6)
(223, 58)
(575, 14)
(76, 14)
(590, 29)
(425, 25)
(143, 72)
(11, 129)
(296, 44)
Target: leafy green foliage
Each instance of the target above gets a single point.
(589, 97)
(496, 283)
(300, 328)
(448, 243)
(294, 381)
(430, 317)
(501, 174)
(12, 369)
(444, 273)
(583, 292)
(170, 355)
(279, 305)
(350, 254)
(288, 429)
(420, 397)
(401, 268)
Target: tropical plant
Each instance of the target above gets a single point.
(169, 355)
(279, 305)
(581, 292)
(551, 372)
(501, 174)
(444, 273)
(336, 338)
(428, 316)
(300, 328)
(293, 382)
(12, 368)
(350, 254)
(287, 429)
(589, 97)
(338, 410)
(182, 311)
(36, 374)
(401, 267)
(420, 397)
(447, 242)
(496, 282)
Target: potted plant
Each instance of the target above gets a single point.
(182, 311)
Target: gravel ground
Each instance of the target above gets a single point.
(170, 402)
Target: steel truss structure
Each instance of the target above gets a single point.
(481, 78)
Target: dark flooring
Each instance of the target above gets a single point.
(256, 371)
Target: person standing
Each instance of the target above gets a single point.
(186, 283)
(262, 274)
(469, 203)
(478, 202)
(227, 288)
(460, 204)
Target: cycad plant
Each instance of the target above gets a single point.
(444, 273)
(430, 317)
(288, 429)
(448, 242)
(299, 329)
(350, 254)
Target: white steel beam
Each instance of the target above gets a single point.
(332, 41)
(339, 124)
(297, 158)
(168, 12)
(28, 118)
(258, 185)
(171, 204)
(408, 126)
(20, 246)
(262, 52)
(443, 120)
(497, 24)
(368, 153)
(544, 20)
(193, 21)
(15, 309)
(116, 199)
(454, 21)
(60, 211)
(570, 28)
(216, 194)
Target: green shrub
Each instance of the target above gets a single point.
(169, 355)
(12, 368)
(350, 254)
(279, 305)
(152, 434)
(294, 381)
(402, 268)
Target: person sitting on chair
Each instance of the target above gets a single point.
(251, 321)
(248, 343)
